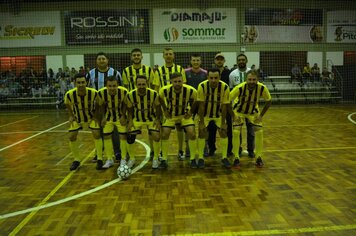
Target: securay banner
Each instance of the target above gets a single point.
(269, 25)
(341, 26)
(214, 25)
(106, 27)
(30, 29)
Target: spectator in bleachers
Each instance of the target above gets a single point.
(72, 73)
(262, 74)
(326, 76)
(82, 70)
(296, 73)
(63, 88)
(306, 72)
(4, 92)
(315, 71)
(66, 71)
(59, 74)
(50, 74)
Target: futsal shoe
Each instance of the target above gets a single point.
(74, 165)
(237, 163)
(259, 162)
(108, 164)
(163, 165)
(131, 163)
(99, 164)
(193, 164)
(180, 155)
(155, 164)
(226, 163)
(94, 159)
(201, 163)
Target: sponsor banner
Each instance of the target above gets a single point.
(341, 26)
(106, 27)
(30, 29)
(214, 25)
(269, 25)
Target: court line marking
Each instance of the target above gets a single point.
(53, 191)
(281, 231)
(350, 118)
(35, 135)
(18, 121)
(44, 205)
(308, 149)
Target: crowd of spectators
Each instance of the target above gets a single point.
(37, 84)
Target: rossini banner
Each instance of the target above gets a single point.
(30, 29)
(269, 25)
(106, 27)
(214, 25)
(341, 26)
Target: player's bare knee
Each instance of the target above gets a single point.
(257, 128)
(72, 139)
(96, 134)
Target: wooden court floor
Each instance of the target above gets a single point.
(307, 186)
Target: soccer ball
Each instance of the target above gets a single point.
(124, 172)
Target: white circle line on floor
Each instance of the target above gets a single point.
(79, 195)
(350, 118)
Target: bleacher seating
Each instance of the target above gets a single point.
(29, 102)
(283, 89)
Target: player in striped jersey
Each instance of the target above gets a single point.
(163, 73)
(112, 101)
(80, 103)
(213, 98)
(129, 74)
(143, 110)
(96, 79)
(177, 99)
(162, 78)
(236, 77)
(247, 95)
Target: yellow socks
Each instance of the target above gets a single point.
(74, 147)
(236, 142)
(259, 142)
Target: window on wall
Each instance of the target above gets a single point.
(17, 65)
(350, 58)
(281, 63)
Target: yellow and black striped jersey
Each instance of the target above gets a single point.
(178, 103)
(144, 106)
(113, 103)
(130, 73)
(83, 106)
(162, 75)
(213, 98)
(246, 101)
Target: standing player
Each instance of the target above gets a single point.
(96, 78)
(236, 77)
(80, 103)
(248, 95)
(143, 110)
(162, 78)
(130, 73)
(176, 100)
(213, 98)
(112, 100)
(195, 75)
(219, 61)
